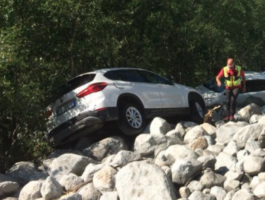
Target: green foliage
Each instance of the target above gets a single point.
(43, 43)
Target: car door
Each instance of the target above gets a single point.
(254, 89)
(171, 94)
(132, 82)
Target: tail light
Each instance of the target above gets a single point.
(96, 87)
(48, 113)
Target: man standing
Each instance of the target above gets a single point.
(234, 77)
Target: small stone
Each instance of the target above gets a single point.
(184, 192)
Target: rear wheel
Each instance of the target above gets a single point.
(197, 108)
(131, 119)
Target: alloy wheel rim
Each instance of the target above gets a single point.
(134, 117)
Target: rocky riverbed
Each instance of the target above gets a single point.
(222, 161)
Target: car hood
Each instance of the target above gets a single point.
(210, 97)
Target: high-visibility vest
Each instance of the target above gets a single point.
(231, 81)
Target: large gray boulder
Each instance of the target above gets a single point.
(174, 137)
(218, 192)
(249, 110)
(210, 179)
(230, 195)
(199, 143)
(216, 149)
(47, 162)
(254, 119)
(184, 192)
(104, 179)
(70, 181)
(253, 165)
(105, 147)
(210, 129)
(262, 120)
(183, 170)
(71, 196)
(69, 163)
(231, 185)
(243, 194)
(89, 192)
(31, 191)
(181, 129)
(261, 139)
(144, 144)
(110, 196)
(250, 131)
(254, 182)
(124, 157)
(51, 189)
(179, 152)
(161, 159)
(23, 172)
(234, 175)
(224, 160)
(194, 133)
(195, 186)
(225, 133)
(141, 181)
(251, 145)
(90, 171)
(231, 148)
(207, 162)
(8, 188)
(159, 126)
(259, 190)
(198, 195)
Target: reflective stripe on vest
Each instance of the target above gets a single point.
(231, 81)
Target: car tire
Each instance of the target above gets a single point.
(131, 119)
(197, 110)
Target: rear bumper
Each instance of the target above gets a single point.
(83, 124)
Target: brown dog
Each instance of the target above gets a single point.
(209, 114)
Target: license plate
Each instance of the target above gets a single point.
(65, 107)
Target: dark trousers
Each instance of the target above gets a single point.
(231, 96)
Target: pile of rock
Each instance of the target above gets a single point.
(186, 161)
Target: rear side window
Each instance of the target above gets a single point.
(112, 75)
(131, 76)
(255, 85)
(125, 75)
(72, 84)
(153, 78)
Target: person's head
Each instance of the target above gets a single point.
(230, 63)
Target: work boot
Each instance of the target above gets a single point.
(231, 118)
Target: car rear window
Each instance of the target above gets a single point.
(71, 85)
(212, 85)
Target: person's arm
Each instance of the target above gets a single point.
(221, 73)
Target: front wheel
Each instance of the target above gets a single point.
(131, 119)
(197, 108)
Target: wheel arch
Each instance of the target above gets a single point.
(128, 97)
(195, 95)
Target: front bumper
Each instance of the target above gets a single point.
(83, 124)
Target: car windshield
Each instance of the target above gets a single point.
(71, 85)
(212, 85)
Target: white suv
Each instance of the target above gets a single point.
(126, 95)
